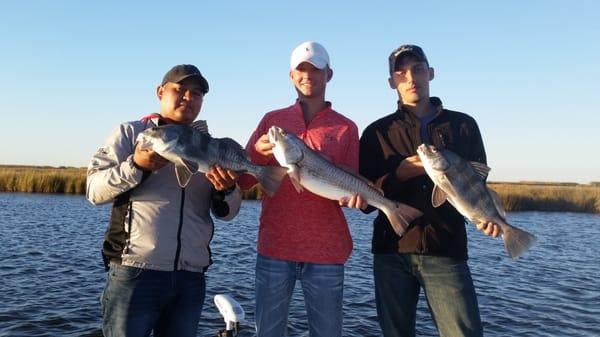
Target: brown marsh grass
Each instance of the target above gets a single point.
(526, 196)
(34, 179)
(68, 180)
(549, 197)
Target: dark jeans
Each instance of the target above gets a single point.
(448, 288)
(137, 301)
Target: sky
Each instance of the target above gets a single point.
(527, 71)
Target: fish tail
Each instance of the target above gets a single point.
(517, 241)
(400, 216)
(270, 177)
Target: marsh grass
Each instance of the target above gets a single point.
(67, 180)
(34, 179)
(548, 197)
(525, 196)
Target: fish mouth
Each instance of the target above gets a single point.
(275, 133)
(422, 149)
(143, 143)
(426, 152)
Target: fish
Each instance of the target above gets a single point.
(462, 184)
(309, 169)
(192, 150)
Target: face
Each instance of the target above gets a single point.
(309, 80)
(411, 80)
(180, 102)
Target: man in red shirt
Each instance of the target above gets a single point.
(303, 236)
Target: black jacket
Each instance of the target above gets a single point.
(383, 145)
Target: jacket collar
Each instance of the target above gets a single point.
(435, 101)
(155, 118)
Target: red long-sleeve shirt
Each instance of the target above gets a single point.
(305, 227)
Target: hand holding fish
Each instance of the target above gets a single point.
(221, 178)
(263, 146)
(356, 201)
(147, 159)
(462, 184)
(489, 229)
(191, 149)
(409, 168)
(309, 169)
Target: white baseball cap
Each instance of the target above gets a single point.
(311, 52)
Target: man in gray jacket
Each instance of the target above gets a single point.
(156, 248)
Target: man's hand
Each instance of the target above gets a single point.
(221, 178)
(148, 160)
(264, 146)
(489, 229)
(410, 167)
(356, 201)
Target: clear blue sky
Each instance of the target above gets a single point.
(528, 71)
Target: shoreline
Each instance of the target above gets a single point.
(515, 196)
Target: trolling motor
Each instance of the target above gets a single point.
(232, 313)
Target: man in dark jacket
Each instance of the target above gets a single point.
(432, 253)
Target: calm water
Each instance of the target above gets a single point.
(51, 274)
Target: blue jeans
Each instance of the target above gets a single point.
(322, 285)
(448, 288)
(137, 301)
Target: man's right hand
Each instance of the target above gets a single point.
(148, 160)
(489, 229)
(410, 167)
(263, 146)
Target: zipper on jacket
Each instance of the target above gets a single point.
(128, 239)
(178, 251)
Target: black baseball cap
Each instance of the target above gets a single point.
(182, 71)
(416, 51)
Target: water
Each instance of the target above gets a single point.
(51, 273)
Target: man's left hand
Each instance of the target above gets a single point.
(356, 201)
(221, 178)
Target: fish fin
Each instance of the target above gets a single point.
(232, 144)
(297, 185)
(270, 177)
(401, 216)
(481, 169)
(438, 196)
(190, 165)
(377, 188)
(294, 173)
(498, 203)
(517, 241)
(183, 174)
(200, 125)
(367, 181)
